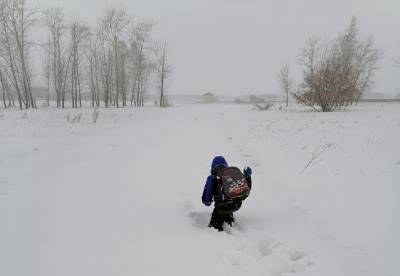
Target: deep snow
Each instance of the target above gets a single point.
(122, 196)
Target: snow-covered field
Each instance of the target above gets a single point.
(122, 196)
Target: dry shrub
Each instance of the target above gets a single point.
(336, 75)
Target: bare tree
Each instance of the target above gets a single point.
(3, 89)
(6, 91)
(16, 22)
(47, 68)
(285, 82)
(60, 54)
(122, 72)
(93, 64)
(163, 69)
(139, 38)
(114, 23)
(105, 60)
(338, 74)
(9, 63)
(79, 33)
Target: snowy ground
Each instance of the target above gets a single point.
(122, 196)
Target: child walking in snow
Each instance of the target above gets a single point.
(228, 187)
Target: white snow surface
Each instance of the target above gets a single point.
(122, 196)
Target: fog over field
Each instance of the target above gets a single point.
(238, 47)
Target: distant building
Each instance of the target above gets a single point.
(209, 98)
(255, 99)
(258, 99)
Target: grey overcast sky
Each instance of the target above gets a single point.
(239, 46)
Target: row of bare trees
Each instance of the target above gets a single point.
(16, 23)
(112, 61)
(335, 75)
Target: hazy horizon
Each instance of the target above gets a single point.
(238, 47)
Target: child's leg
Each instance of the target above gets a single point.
(217, 220)
(229, 218)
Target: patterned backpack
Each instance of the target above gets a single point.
(233, 185)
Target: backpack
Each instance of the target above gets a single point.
(232, 185)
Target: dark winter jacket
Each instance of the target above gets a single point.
(210, 192)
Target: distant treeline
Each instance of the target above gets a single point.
(113, 60)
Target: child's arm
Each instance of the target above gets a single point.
(247, 173)
(207, 197)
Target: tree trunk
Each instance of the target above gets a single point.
(79, 89)
(116, 72)
(3, 89)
